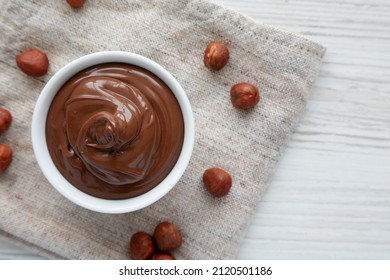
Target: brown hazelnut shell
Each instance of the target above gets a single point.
(5, 119)
(163, 256)
(142, 246)
(5, 157)
(216, 55)
(217, 181)
(76, 4)
(244, 95)
(167, 236)
(33, 62)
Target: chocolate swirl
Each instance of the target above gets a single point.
(114, 131)
(107, 120)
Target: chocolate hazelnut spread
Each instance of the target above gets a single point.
(114, 130)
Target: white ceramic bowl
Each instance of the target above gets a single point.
(55, 177)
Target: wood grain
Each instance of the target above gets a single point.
(330, 195)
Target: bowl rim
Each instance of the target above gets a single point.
(58, 181)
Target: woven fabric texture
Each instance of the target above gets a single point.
(174, 33)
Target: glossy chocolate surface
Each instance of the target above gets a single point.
(114, 130)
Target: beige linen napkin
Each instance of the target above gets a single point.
(173, 33)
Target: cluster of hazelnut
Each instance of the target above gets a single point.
(243, 96)
(35, 64)
(5, 150)
(166, 237)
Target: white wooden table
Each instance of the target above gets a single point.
(330, 195)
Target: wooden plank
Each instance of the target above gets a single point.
(330, 196)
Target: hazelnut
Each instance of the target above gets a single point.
(33, 62)
(167, 236)
(5, 157)
(141, 246)
(217, 181)
(163, 256)
(216, 55)
(5, 119)
(76, 4)
(244, 95)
